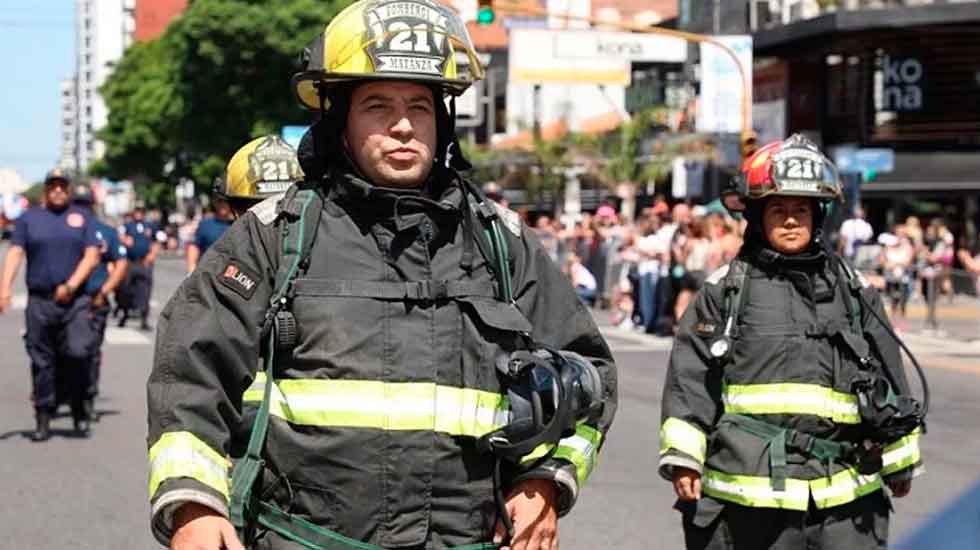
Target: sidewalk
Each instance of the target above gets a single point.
(935, 348)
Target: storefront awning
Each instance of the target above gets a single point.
(866, 19)
(929, 172)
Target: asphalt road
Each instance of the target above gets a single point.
(90, 494)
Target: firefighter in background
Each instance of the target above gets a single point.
(59, 243)
(769, 435)
(102, 283)
(262, 168)
(139, 236)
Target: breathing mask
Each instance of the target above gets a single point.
(549, 393)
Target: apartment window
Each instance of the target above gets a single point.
(88, 42)
(88, 111)
(88, 59)
(88, 76)
(88, 24)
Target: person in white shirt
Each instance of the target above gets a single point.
(854, 232)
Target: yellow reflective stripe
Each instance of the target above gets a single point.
(792, 399)
(843, 487)
(384, 405)
(901, 454)
(582, 450)
(682, 436)
(538, 452)
(182, 454)
(756, 491)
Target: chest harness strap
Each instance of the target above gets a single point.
(301, 209)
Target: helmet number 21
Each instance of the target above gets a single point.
(275, 171)
(402, 40)
(799, 169)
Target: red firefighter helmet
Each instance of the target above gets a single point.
(792, 167)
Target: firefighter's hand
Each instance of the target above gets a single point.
(533, 507)
(687, 483)
(5, 299)
(197, 527)
(900, 488)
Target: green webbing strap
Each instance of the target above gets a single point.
(501, 253)
(247, 470)
(315, 537)
(778, 439)
(853, 287)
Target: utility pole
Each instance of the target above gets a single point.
(716, 18)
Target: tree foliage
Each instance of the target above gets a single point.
(181, 105)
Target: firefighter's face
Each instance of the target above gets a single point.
(391, 132)
(788, 223)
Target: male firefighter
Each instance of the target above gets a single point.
(785, 407)
(391, 361)
(262, 168)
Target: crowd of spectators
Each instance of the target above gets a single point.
(645, 271)
(906, 260)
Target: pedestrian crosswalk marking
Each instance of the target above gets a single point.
(115, 336)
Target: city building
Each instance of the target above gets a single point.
(104, 29)
(69, 125)
(153, 17)
(899, 78)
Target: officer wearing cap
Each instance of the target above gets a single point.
(103, 282)
(59, 243)
(139, 236)
(262, 168)
(397, 299)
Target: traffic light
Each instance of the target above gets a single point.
(485, 14)
(748, 144)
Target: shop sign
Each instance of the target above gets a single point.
(904, 79)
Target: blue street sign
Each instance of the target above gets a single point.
(859, 161)
(293, 134)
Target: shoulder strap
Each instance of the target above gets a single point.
(854, 286)
(493, 245)
(300, 209)
(736, 295)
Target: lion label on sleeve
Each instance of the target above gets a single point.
(239, 280)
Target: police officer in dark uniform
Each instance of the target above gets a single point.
(209, 230)
(415, 308)
(139, 236)
(61, 249)
(102, 283)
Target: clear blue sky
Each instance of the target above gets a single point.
(37, 50)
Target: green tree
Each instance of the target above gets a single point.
(181, 105)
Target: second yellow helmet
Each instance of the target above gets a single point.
(262, 168)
